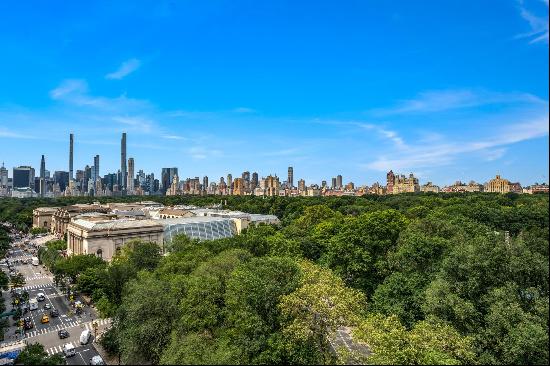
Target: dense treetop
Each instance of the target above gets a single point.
(419, 279)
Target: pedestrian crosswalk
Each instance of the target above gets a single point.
(59, 349)
(31, 287)
(38, 277)
(67, 325)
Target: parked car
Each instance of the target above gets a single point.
(63, 333)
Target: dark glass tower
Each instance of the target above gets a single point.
(123, 168)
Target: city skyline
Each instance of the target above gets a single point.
(127, 174)
(442, 104)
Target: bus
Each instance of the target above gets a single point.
(35, 261)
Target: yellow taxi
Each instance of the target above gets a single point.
(45, 319)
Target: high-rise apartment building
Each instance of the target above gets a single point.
(400, 184)
(390, 180)
(130, 183)
(272, 186)
(3, 176)
(229, 182)
(123, 168)
(238, 187)
(42, 187)
(23, 177)
(62, 179)
(167, 177)
(88, 171)
(246, 179)
(71, 155)
(301, 185)
(254, 181)
(96, 175)
(290, 180)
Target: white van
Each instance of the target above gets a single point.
(85, 337)
(33, 304)
(68, 350)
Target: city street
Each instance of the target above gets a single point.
(38, 280)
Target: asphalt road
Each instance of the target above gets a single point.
(39, 280)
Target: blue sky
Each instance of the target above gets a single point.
(449, 90)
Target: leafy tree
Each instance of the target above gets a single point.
(316, 309)
(34, 354)
(428, 343)
(145, 320)
(109, 341)
(4, 281)
(252, 296)
(73, 266)
(401, 294)
(357, 252)
(141, 255)
(17, 280)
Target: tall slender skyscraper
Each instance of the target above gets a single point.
(130, 183)
(123, 171)
(96, 169)
(290, 180)
(42, 177)
(71, 152)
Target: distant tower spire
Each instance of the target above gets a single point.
(123, 169)
(71, 151)
(42, 177)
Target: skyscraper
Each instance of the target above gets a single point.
(71, 152)
(3, 176)
(254, 182)
(167, 177)
(131, 167)
(42, 177)
(339, 183)
(123, 170)
(334, 183)
(96, 169)
(205, 183)
(290, 180)
(23, 177)
(61, 178)
(246, 179)
(229, 181)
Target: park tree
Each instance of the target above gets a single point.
(253, 316)
(315, 310)
(427, 343)
(145, 319)
(358, 252)
(73, 266)
(34, 354)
